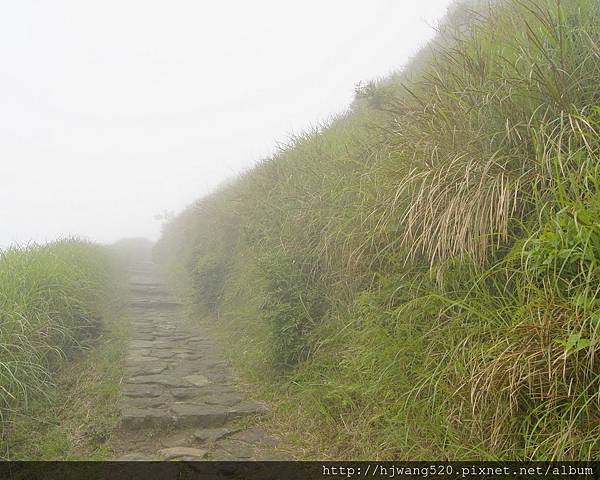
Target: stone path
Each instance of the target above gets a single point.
(180, 400)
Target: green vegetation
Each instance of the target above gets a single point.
(52, 299)
(76, 418)
(420, 277)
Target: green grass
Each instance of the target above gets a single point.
(52, 298)
(76, 418)
(421, 274)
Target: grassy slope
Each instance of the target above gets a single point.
(419, 278)
(52, 300)
(78, 415)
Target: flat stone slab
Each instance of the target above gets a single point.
(142, 391)
(141, 344)
(162, 379)
(197, 380)
(237, 449)
(188, 356)
(163, 346)
(177, 439)
(226, 399)
(158, 353)
(255, 436)
(182, 350)
(211, 434)
(146, 337)
(185, 393)
(145, 417)
(188, 414)
(133, 358)
(146, 368)
(146, 402)
(177, 452)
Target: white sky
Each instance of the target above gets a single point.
(112, 111)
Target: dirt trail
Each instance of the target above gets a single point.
(180, 400)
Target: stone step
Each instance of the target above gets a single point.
(192, 415)
(175, 375)
(153, 412)
(212, 416)
(139, 418)
(154, 408)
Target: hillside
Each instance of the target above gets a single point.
(419, 278)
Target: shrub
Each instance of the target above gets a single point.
(292, 308)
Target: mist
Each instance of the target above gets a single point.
(114, 112)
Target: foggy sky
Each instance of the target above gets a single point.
(112, 111)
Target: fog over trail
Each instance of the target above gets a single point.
(113, 112)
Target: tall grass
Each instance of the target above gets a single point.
(421, 272)
(50, 302)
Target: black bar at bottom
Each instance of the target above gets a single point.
(295, 470)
